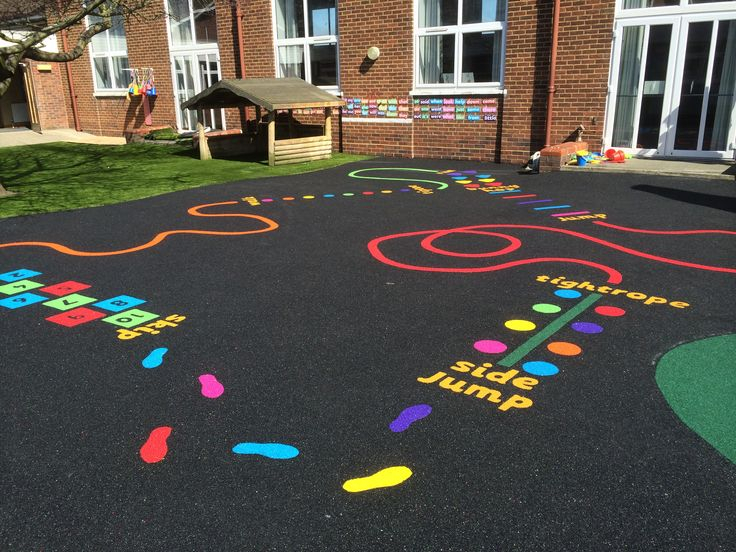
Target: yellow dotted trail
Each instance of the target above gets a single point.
(388, 477)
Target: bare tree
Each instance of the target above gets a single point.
(30, 22)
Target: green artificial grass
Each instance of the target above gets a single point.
(62, 176)
(698, 380)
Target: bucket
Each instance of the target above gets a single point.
(581, 161)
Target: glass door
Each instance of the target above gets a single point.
(673, 86)
(194, 73)
(705, 88)
(643, 86)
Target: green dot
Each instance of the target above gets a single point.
(348, 194)
(546, 308)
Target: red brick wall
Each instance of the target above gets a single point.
(48, 88)
(582, 74)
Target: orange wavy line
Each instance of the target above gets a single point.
(194, 211)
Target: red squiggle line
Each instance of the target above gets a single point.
(194, 211)
(613, 275)
(662, 232)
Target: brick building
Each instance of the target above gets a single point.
(463, 79)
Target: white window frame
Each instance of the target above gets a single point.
(109, 53)
(683, 8)
(457, 30)
(305, 42)
(192, 51)
(193, 44)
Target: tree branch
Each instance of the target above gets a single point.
(84, 39)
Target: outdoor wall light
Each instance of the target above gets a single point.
(373, 53)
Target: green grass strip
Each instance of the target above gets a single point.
(441, 185)
(549, 330)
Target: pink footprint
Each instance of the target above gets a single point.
(211, 388)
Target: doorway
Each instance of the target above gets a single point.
(194, 72)
(673, 86)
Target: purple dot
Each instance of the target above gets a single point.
(405, 190)
(489, 346)
(587, 327)
(266, 200)
(408, 416)
(470, 172)
(455, 174)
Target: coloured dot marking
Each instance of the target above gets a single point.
(329, 195)
(454, 174)
(472, 186)
(520, 325)
(483, 176)
(155, 448)
(386, 191)
(568, 293)
(486, 180)
(211, 388)
(288, 198)
(458, 178)
(266, 200)
(388, 477)
(540, 368)
(368, 193)
(308, 197)
(586, 327)
(564, 348)
(610, 311)
(546, 308)
(469, 172)
(405, 190)
(463, 181)
(348, 194)
(490, 346)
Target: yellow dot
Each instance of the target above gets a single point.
(463, 181)
(386, 191)
(487, 179)
(388, 477)
(520, 325)
(308, 197)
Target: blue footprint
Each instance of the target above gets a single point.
(277, 451)
(155, 358)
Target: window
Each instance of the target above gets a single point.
(459, 43)
(192, 22)
(306, 40)
(109, 53)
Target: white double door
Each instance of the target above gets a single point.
(672, 90)
(194, 72)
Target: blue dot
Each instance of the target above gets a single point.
(329, 195)
(483, 176)
(540, 368)
(458, 178)
(568, 293)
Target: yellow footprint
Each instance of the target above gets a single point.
(388, 477)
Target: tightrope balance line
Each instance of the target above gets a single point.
(548, 331)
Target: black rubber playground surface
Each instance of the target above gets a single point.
(411, 360)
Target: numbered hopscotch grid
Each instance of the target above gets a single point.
(18, 290)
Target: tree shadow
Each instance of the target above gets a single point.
(722, 203)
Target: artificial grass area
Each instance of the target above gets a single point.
(62, 176)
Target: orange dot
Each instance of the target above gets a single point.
(288, 198)
(564, 348)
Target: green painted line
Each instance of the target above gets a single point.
(549, 330)
(441, 185)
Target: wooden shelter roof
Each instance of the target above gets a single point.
(285, 93)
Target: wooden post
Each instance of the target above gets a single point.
(291, 123)
(258, 118)
(328, 123)
(204, 149)
(272, 138)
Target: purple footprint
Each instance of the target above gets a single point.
(408, 416)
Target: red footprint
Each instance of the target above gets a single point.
(155, 448)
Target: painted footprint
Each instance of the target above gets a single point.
(155, 448)
(408, 416)
(276, 451)
(388, 477)
(155, 358)
(211, 388)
